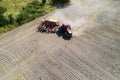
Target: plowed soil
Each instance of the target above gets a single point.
(92, 54)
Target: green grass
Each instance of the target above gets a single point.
(14, 6)
(7, 28)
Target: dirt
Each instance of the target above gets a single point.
(92, 54)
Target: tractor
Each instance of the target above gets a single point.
(65, 31)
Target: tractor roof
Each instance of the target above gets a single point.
(65, 24)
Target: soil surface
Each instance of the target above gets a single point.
(92, 54)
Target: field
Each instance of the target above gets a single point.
(92, 54)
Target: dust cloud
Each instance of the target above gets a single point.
(83, 14)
